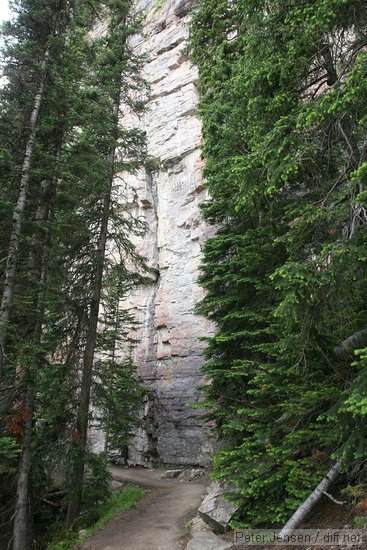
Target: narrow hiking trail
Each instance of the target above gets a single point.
(158, 521)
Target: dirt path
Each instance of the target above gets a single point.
(158, 521)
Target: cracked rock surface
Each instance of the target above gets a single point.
(167, 196)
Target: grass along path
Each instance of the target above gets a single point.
(118, 501)
(158, 521)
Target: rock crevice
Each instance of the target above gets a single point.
(168, 350)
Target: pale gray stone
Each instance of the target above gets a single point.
(168, 352)
(195, 474)
(167, 195)
(201, 538)
(170, 474)
(216, 511)
(184, 7)
(208, 541)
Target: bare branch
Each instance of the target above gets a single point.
(341, 502)
(311, 500)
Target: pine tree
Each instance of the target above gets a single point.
(40, 31)
(66, 226)
(117, 393)
(36, 30)
(284, 118)
(117, 72)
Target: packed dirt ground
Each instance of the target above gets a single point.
(158, 521)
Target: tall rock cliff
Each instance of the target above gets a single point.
(167, 196)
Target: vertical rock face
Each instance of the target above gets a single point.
(168, 351)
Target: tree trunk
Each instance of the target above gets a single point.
(88, 359)
(110, 383)
(37, 275)
(310, 502)
(20, 526)
(11, 263)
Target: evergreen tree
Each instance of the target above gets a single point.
(70, 216)
(40, 33)
(284, 116)
(117, 393)
(117, 73)
(36, 32)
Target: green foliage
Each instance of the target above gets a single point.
(117, 392)
(118, 501)
(283, 104)
(360, 522)
(9, 451)
(119, 397)
(350, 413)
(60, 251)
(96, 486)
(354, 492)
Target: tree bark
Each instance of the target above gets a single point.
(37, 275)
(11, 263)
(356, 340)
(310, 502)
(88, 359)
(20, 525)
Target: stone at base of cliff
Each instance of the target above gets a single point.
(194, 474)
(203, 539)
(216, 511)
(171, 474)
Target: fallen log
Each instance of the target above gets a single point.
(311, 500)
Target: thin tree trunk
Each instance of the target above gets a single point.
(37, 274)
(23, 508)
(310, 502)
(110, 385)
(11, 264)
(88, 359)
(20, 526)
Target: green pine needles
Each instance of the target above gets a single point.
(67, 241)
(283, 103)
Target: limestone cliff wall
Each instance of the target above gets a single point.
(168, 351)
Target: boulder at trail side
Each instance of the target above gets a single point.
(216, 511)
(201, 538)
(170, 474)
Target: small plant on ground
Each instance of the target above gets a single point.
(121, 500)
